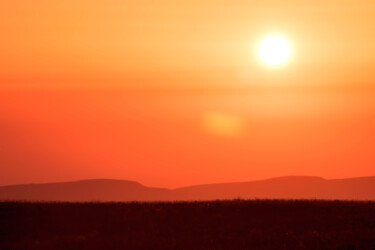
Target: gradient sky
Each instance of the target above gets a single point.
(172, 93)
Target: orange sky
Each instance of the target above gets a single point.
(172, 93)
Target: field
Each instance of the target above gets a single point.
(237, 224)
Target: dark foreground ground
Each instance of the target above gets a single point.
(259, 224)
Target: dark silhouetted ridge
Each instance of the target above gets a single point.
(288, 187)
(84, 190)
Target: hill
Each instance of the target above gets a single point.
(290, 187)
(85, 190)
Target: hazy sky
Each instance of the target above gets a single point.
(172, 93)
(81, 42)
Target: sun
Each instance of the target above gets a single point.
(274, 50)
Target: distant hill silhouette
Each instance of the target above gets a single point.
(290, 187)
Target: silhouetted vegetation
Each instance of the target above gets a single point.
(193, 225)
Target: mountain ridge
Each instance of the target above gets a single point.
(284, 187)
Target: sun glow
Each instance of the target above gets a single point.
(274, 50)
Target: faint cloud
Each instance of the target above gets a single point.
(223, 124)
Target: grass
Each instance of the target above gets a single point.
(236, 224)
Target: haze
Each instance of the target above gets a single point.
(172, 94)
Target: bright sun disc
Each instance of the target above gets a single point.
(274, 50)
